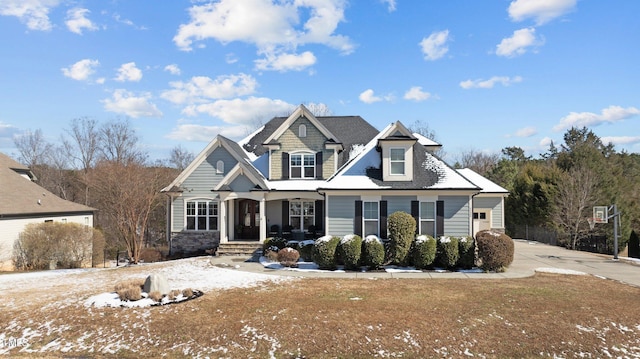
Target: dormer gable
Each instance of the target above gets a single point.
(396, 151)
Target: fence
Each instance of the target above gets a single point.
(589, 243)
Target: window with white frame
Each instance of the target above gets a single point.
(428, 218)
(396, 161)
(219, 167)
(303, 165)
(371, 215)
(202, 215)
(301, 214)
(302, 131)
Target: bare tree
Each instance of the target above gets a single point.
(180, 157)
(480, 162)
(33, 148)
(577, 192)
(119, 143)
(82, 147)
(319, 109)
(423, 129)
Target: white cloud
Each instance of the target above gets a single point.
(241, 111)
(129, 72)
(518, 43)
(201, 133)
(610, 114)
(125, 102)
(172, 69)
(368, 97)
(526, 132)
(545, 142)
(541, 10)
(33, 13)
(487, 84)
(286, 62)
(77, 21)
(435, 46)
(416, 94)
(81, 70)
(391, 5)
(203, 88)
(274, 28)
(620, 140)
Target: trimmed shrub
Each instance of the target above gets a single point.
(150, 255)
(495, 250)
(288, 257)
(132, 293)
(423, 252)
(155, 296)
(305, 248)
(467, 250)
(350, 248)
(277, 242)
(402, 230)
(372, 254)
(447, 252)
(324, 252)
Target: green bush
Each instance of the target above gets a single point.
(402, 230)
(288, 257)
(447, 252)
(423, 252)
(305, 248)
(372, 254)
(324, 252)
(495, 250)
(467, 250)
(349, 249)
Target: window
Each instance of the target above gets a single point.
(302, 131)
(219, 167)
(303, 166)
(202, 215)
(428, 218)
(370, 214)
(301, 214)
(479, 215)
(396, 160)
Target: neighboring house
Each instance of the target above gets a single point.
(309, 176)
(23, 202)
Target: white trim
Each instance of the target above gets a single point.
(300, 111)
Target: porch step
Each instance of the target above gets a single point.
(239, 249)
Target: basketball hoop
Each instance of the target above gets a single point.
(592, 222)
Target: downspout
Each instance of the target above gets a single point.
(473, 230)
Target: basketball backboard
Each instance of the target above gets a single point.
(601, 214)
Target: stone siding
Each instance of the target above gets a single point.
(186, 243)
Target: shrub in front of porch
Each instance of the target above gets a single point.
(447, 252)
(288, 257)
(467, 250)
(324, 252)
(495, 250)
(423, 252)
(350, 248)
(402, 231)
(372, 252)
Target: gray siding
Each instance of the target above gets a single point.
(493, 203)
(398, 203)
(456, 215)
(204, 178)
(341, 210)
(241, 184)
(178, 214)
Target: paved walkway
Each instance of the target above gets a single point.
(528, 257)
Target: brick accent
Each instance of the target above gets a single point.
(185, 243)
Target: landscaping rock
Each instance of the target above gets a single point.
(156, 282)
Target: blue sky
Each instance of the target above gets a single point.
(483, 75)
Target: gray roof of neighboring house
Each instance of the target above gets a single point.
(20, 196)
(349, 130)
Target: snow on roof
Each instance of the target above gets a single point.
(296, 185)
(486, 185)
(424, 140)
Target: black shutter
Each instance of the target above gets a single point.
(320, 216)
(319, 165)
(285, 165)
(415, 213)
(357, 227)
(285, 214)
(383, 219)
(439, 218)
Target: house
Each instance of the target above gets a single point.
(307, 176)
(488, 205)
(23, 202)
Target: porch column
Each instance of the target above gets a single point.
(223, 222)
(263, 220)
(229, 223)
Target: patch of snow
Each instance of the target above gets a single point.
(347, 238)
(445, 239)
(372, 238)
(559, 271)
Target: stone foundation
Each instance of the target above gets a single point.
(190, 243)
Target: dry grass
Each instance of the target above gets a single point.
(545, 315)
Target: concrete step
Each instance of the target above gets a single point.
(239, 248)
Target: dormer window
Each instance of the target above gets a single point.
(397, 161)
(220, 167)
(302, 131)
(303, 165)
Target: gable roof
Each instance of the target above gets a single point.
(22, 197)
(219, 141)
(486, 185)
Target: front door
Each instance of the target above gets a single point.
(249, 220)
